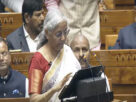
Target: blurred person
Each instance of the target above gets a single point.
(27, 36)
(13, 84)
(2, 7)
(126, 38)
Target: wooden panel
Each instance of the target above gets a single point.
(116, 73)
(111, 21)
(14, 100)
(9, 23)
(120, 67)
(117, 18)
(124, 2)
(20, 61)
(125, 92)
(110, 41)
(108, 31)
(114, 58)
(124, 89)
(125, 98)
(109, 4)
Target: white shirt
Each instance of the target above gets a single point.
(32, 44)
(26, 89)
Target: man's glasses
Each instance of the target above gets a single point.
(65, 32)
(4, 53)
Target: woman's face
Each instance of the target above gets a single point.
(57, 38)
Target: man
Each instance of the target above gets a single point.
(126, 38)
(80, 47)
(2, 7)
(12, 83)
(26, 37)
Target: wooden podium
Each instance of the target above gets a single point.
(120, 66)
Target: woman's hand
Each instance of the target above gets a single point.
(62, 82)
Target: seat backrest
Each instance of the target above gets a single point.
(20, 61)
(110, 41)
(9, 22)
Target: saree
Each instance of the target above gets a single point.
(64, 63)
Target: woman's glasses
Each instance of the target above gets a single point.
(60, 33)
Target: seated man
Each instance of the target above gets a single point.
(2, 7)
(12, 83)
(80, 47)
(126, 38)
(26, 37)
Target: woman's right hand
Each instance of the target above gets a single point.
(59, 86)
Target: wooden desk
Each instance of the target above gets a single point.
(120, 66)
(14, 100)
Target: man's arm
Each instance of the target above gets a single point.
(2, 7)
(50, 4)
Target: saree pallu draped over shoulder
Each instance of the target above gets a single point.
(64, 63)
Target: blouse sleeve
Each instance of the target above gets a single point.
(37, 69)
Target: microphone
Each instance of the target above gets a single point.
(92, 74)
(98, 60)
(103, 68)
(84, 59)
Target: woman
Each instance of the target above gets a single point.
(83, 17)
(51, 66)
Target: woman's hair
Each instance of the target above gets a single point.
(52, 19)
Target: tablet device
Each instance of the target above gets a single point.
(70, 90)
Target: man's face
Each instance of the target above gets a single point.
(36, 21)
(80, 47)
(5, 58)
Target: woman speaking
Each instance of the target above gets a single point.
(52, 65)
